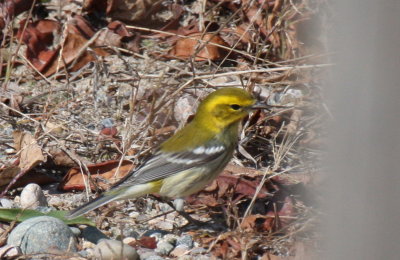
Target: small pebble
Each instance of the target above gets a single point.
(120, 233)
(56, 201)
(171, 238)
(184, 108)
(40, 234)
(10, 151)
(77, 232)
(134, 214)
(165, 225)
(32, 197)
(17, 199)
(185, 240)
(108, 249)
(9, 251)
(87, 244)
(107, 123)
(6, 203)
(164, 248)
(164, 207)
(129, 240)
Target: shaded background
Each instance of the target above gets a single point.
(363, 208)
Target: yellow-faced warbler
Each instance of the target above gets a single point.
(191, 158)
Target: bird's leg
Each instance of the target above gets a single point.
(177, 205)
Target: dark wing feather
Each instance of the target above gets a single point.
(163, 165)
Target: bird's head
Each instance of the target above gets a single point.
(225, 106)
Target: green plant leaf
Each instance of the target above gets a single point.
(20, 215)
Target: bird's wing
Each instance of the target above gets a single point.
(162, 165)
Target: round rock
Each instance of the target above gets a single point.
(32, 197)
(108, 249)
(41, 234)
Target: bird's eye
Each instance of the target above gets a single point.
(235, 107)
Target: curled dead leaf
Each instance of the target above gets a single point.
(201, 46)
(30, 152)
(102, 175)
(43, 40)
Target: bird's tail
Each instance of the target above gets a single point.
(93, 204)
(117, 193)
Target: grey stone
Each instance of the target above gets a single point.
(84, 253)
(32, 197)
(164, 248)
(130, 232)
(164, 207)
(120, 233)
(107, 122)
(6, 203)
(92, 234)
(40, 234)
(185, 240)
(108, 249)
(77, 232)
(56, 201)
(165, 225)
(170, 238)
(144, 253)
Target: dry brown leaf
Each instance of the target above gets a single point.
(147, 242)
(188, 47)
(283, 209)
(12, 8)
(30, 152)
(102, 174)
(7, 174)
(216, 193)
(249, 222)
(40, 38)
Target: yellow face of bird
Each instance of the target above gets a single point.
(225, 106)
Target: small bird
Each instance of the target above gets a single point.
(192, 158)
